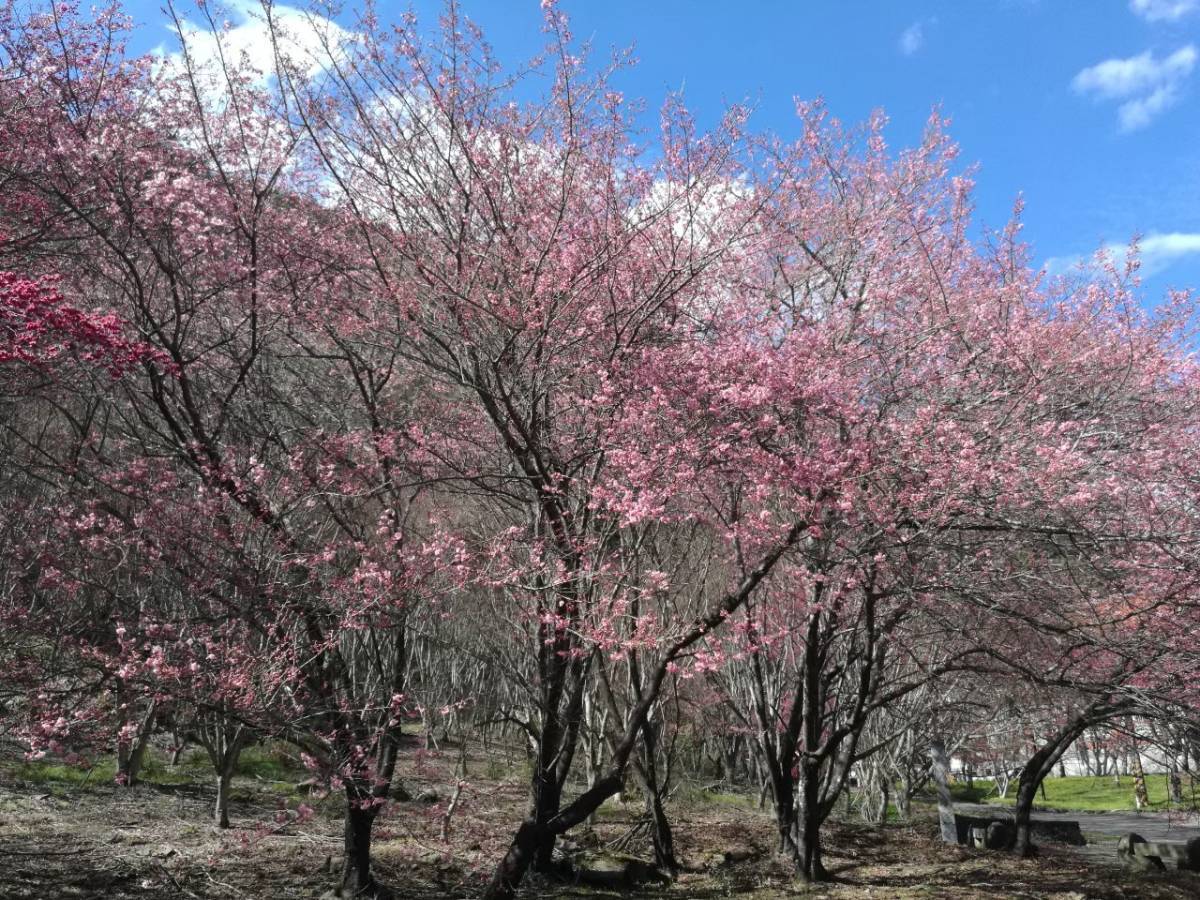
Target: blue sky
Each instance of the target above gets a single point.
(1089, 108)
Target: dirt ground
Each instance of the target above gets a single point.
(154, 841)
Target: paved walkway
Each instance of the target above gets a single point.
(1153, 826)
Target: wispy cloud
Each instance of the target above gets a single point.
(1163, 10)
(1139, 113)
(1146, 84)
(1157, 251)
(1160, 250)
(912, 39)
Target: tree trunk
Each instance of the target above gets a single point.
(1174, 784)
(516, 861)
(131, 755)
(903, 795)
(357, 880)
(1141, 799)
(1042, 764)
(662, 837)
(807, 825)
(785, 815)
(532, 835)
(546, 802)
(764, 792)
(224, 742)
(221, 810)
(884, 797)
(647, 771)
(1026, 792)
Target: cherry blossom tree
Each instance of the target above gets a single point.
(263, 421)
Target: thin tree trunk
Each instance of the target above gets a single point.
(903, 795)
(221, 811)
(884, 797)
(1141, 799)
(224, 742)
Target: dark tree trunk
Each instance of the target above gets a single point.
(366, 794)
(531, 834)
(809, 813)
(547, 797)
(1042, 764)
(357, 880)
(516, 861)
(662, 837)
(1026, 793)
(129, 763)
(807, 825)
(785, 815)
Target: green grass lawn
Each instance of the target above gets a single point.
(1093, 794)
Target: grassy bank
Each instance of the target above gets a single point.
(1087, 793)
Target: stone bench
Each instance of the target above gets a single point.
(1142, 855)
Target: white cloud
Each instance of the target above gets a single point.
(306, 39)
(1147, 85)
(1115, 78)
(1163, 10)
(912, 39)
(1157, 251)
(1160, 250)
